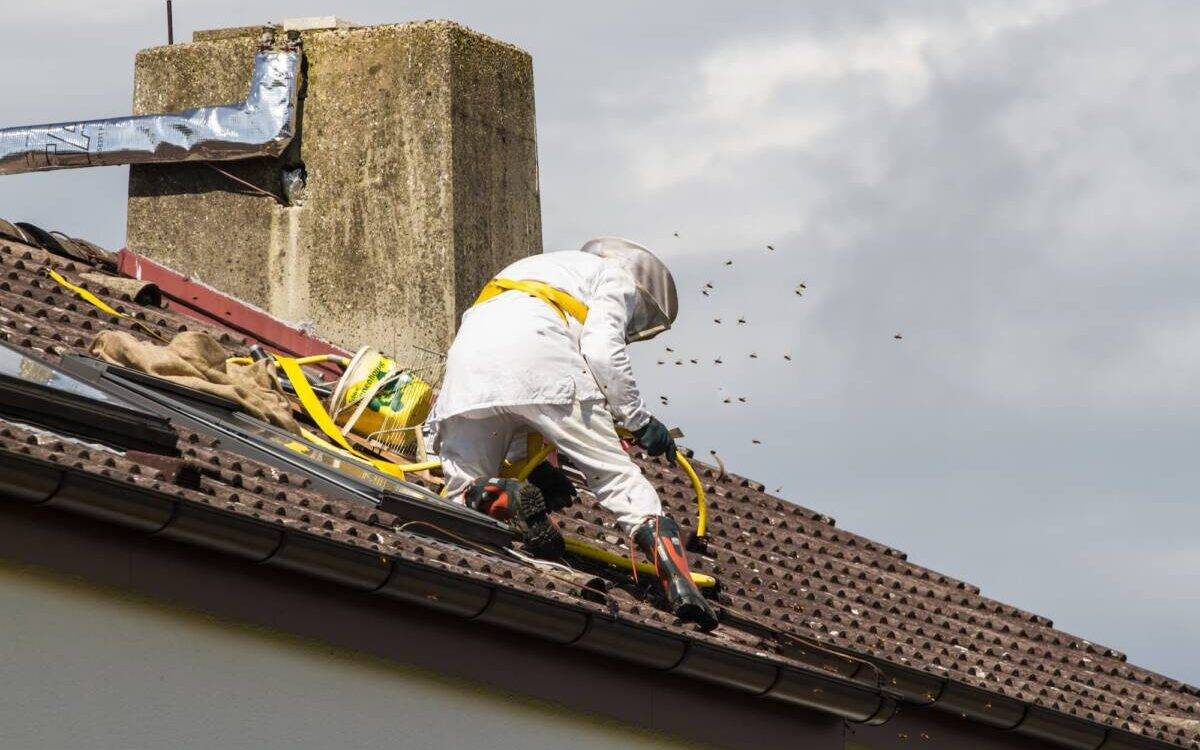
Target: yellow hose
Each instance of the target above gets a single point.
(422, 466)
(697, 488)
(337, 359)
(387, 467)
(701, 497)
(310, 360)
(533, 462)
(583, 549)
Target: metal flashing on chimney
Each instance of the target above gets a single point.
(262, 125)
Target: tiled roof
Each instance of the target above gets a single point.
(789, 576)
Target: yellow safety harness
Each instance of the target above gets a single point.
(563, 303)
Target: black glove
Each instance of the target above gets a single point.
(657, 440)
(555, 486)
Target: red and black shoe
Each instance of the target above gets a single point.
(520, 504)
(658, 539)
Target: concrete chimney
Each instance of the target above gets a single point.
(419, 157)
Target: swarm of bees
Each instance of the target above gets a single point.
(707, 290)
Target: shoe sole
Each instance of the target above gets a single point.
(542, 538)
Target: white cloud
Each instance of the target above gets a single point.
(743, 78)
(758, 94)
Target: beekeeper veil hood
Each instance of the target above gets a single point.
(657, 303)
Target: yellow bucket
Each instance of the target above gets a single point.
(386, 403)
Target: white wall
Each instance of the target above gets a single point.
(87, 667)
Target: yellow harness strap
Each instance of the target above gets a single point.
(310, 402)
(563, 303)
(100, 304)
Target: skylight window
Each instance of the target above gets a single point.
(38, 393)
(19, 366)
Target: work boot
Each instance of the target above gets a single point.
(556, 488)
(521, 505)
(658, 539)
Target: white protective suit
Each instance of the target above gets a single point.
(516, 366)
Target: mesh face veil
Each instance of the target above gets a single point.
(657, 302)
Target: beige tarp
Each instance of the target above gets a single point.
(195, 360)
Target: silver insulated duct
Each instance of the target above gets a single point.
(263, 125)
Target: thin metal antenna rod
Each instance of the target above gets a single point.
(170, 24)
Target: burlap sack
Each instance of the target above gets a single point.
(195, 360)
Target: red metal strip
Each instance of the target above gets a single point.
(204, 303)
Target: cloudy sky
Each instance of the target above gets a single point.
(1012, 187)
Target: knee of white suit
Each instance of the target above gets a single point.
(630, 497)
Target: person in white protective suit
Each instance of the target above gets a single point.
(543, 351)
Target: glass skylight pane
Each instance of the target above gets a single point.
(17, 365)
(265, 432)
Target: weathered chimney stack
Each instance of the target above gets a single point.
(419, 159)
